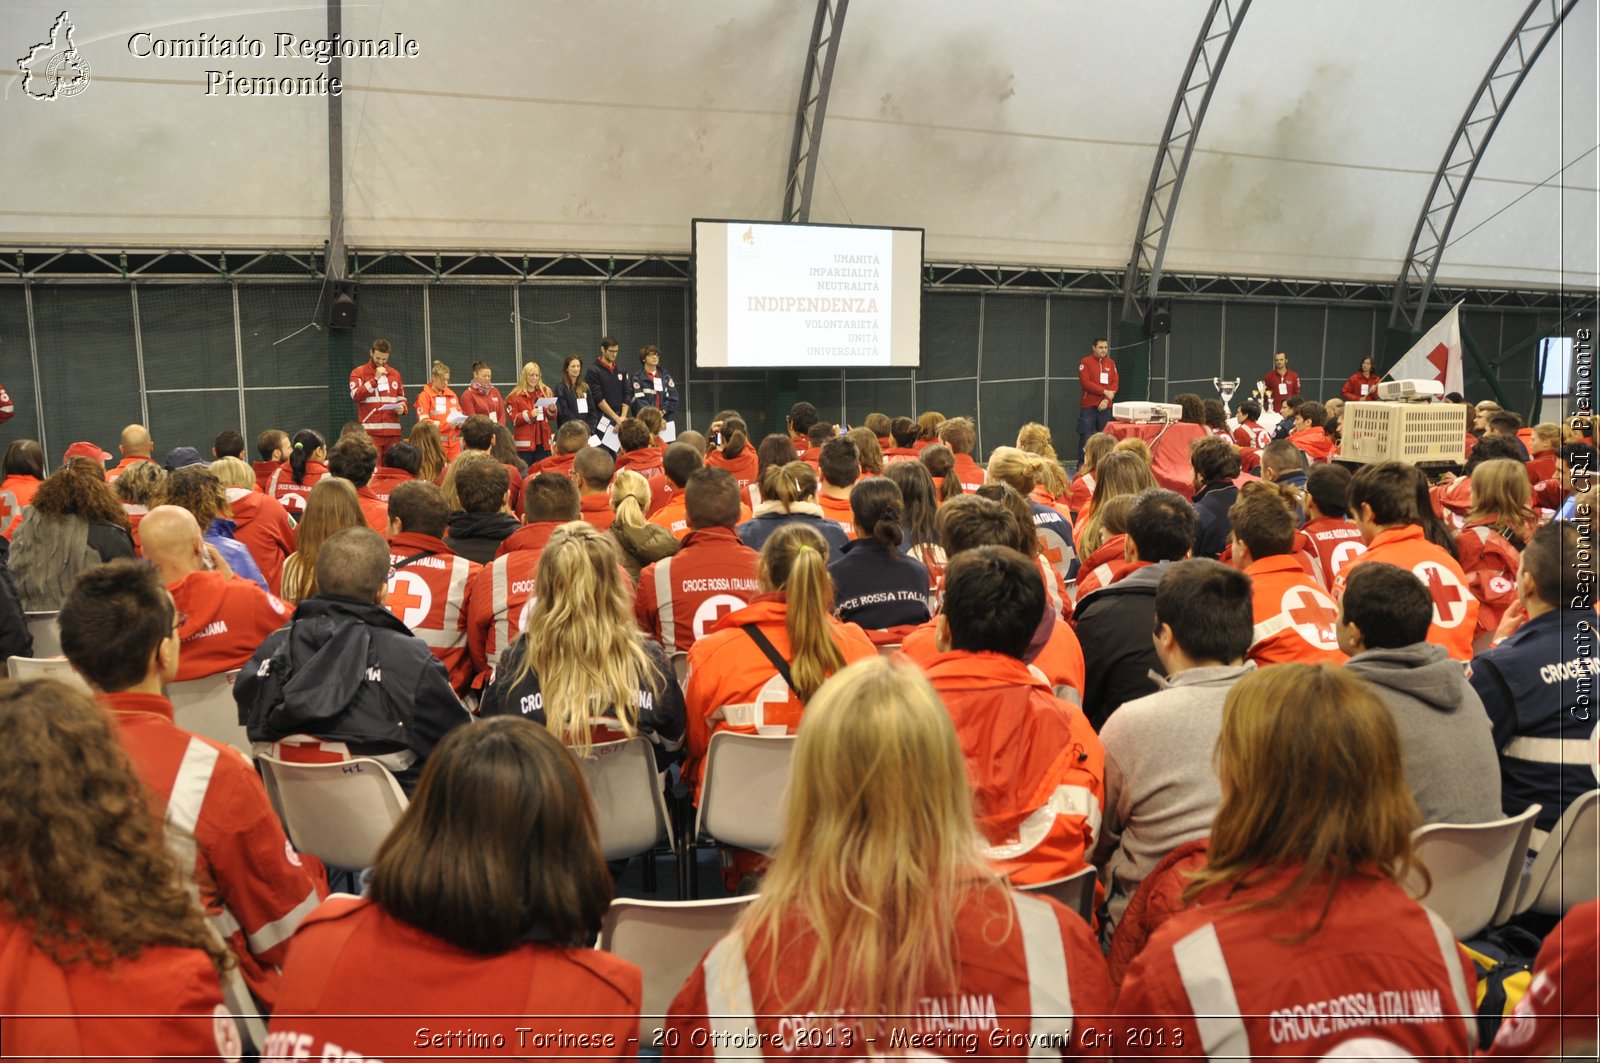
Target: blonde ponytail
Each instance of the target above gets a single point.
(795, 561)
(630, 495)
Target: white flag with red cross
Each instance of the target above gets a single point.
(1436, 356)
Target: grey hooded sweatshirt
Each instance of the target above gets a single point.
(1445, 737)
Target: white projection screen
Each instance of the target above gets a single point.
(772, 295)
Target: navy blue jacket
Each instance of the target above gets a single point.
(645, 393)
(755, 532)
(1539, 688)
(1212, 503)
(878, 587)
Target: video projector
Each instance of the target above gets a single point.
(1147, 412)
(1410, 390)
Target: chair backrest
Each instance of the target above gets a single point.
(1472, 866)
(339, 813)
(1076, 891)
(1567, 870)
(45, 668)
(46, 634)
(630, 810)
(667, 940)
(206, 707)
(680, 665)
(741, 799)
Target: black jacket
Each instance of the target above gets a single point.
(661, 712)
(1212, 503)
(1114, 625)
(877, 587)
(347, 671)
(567, 406)
(477, 536)
(15, 638)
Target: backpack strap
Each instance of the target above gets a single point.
(771, 653)
(403, 562)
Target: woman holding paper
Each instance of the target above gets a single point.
(529, 410)
(1363, 386)
(437, 403)
(572, 394)
(483, 397)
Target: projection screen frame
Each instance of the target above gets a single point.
(694, 288)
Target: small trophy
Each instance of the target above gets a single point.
(1226, 388)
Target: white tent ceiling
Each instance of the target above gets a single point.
(1013, 133)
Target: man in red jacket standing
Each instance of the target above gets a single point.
(1097, 376)
(1281, 382)
(713, 573)
(380, 397)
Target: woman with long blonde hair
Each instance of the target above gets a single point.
(581, 667)
(435, 405)
(1119, 473)
(331, 507)
(1501, 501)
(96, 917)
(879, 915)
(1082, 490)
(436, 457)
(639, 543)
(530, 423)
(1308, 852)
(1054, 487)
(761, 684)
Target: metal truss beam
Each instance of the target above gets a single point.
(1143, 276)
(814, 85)
(1539, 22)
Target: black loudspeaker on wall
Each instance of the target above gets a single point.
(1158, 319)
(342, 314)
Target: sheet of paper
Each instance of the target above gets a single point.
(455, 417)
(583, 404)
(391, 406)
(610, 440)
(545, 404)
(669, 431)
(594, 441)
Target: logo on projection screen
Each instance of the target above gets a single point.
(54, 69)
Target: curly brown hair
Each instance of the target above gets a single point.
(197, 489)
(75, 491)
(140, 482)
(88, 868)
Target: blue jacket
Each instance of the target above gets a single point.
(235, 553)
(755, 532)
(1539, 688)
(878, 587)
(646, 394)
(1211, 504)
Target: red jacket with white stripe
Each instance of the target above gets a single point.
(371, 395)
(162, 1004)
(227, 620)
(682, 596)
(1105, 566)
(530, 425)
(430, 591)
(1294, 618)
(16, 495)
(262, 524)
(1042, 983)
(361, 985)
(219, 822)
(1059, 660)
(969, 472)
(1334, 541)
(1490, 564)
(1455, 610)
(733, 686)
(645, 462)
(1263, 994)
(1556, 1017)
(292, 496)
(385, 480)
(501, 589)
(1034, 764)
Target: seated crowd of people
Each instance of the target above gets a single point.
(1234, 698)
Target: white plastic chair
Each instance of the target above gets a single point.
(741, 798)
(45, 668)
(46, 634)
(1473, 867)
(680, 665)
(339, 812)
(667, 940)
(206, 707)
(1567, 870)
(1076, 891)
(630, 809)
